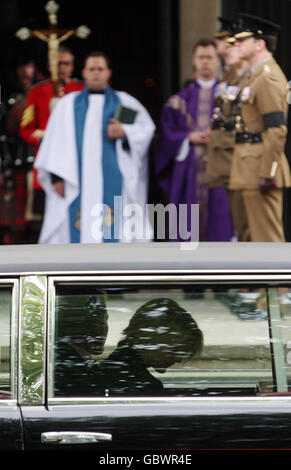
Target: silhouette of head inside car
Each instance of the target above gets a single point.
(160, 334)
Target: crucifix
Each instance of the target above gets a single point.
(53, 36)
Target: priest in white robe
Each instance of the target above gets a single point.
(94, 168)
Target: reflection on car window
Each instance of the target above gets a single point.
(81, 331)
(160, 342)
(5, 343)
(281, 337)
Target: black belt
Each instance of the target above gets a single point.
(248, 137)
(223, 124)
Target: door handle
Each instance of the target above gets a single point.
(74, 437)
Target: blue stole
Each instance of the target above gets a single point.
(112, 178)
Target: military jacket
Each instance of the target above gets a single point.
(222, 140)
(264, 110)
(40, 101)
(38, 108)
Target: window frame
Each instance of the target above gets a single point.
(269, 281)
(14, 340)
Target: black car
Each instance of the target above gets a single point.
(145, 346)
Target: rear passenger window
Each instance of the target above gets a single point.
(5, 343)
(126, 341)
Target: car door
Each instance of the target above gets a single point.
(10, 418)
(167, 363)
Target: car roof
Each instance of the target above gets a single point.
(145, 257)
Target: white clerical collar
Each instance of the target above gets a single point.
(96, 97)
(206, 83)
(261, 62)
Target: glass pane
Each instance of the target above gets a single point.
(283, 336)
(139, 341)
(5, 343)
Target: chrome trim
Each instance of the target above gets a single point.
(33, 293)
(51, 335)
(8, 403)
(19, 392)
(161, 400)
(15, 339)
(14, 284)
(171, 278)
(170, 272)
(74, 437)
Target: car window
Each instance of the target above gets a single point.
(5, 342)
(280, 309)
(163, 341)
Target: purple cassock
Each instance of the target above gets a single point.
(180, 166)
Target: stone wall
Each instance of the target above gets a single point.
(198, 19)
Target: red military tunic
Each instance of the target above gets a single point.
(38, 108)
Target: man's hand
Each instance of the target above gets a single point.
(60, 188)
(115, 130)
(38, 134)
(266, 184)
(199, 137)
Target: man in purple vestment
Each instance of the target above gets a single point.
(182, 145)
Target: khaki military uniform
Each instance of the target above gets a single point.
(229, 75)
(221, 147)
(259, 151)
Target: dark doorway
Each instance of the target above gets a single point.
(141, 38)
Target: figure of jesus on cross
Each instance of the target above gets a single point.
(53, 36)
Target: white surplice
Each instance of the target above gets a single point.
(58, 155)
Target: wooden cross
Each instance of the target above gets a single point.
(53, 36)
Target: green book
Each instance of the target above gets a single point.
(125, 115)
